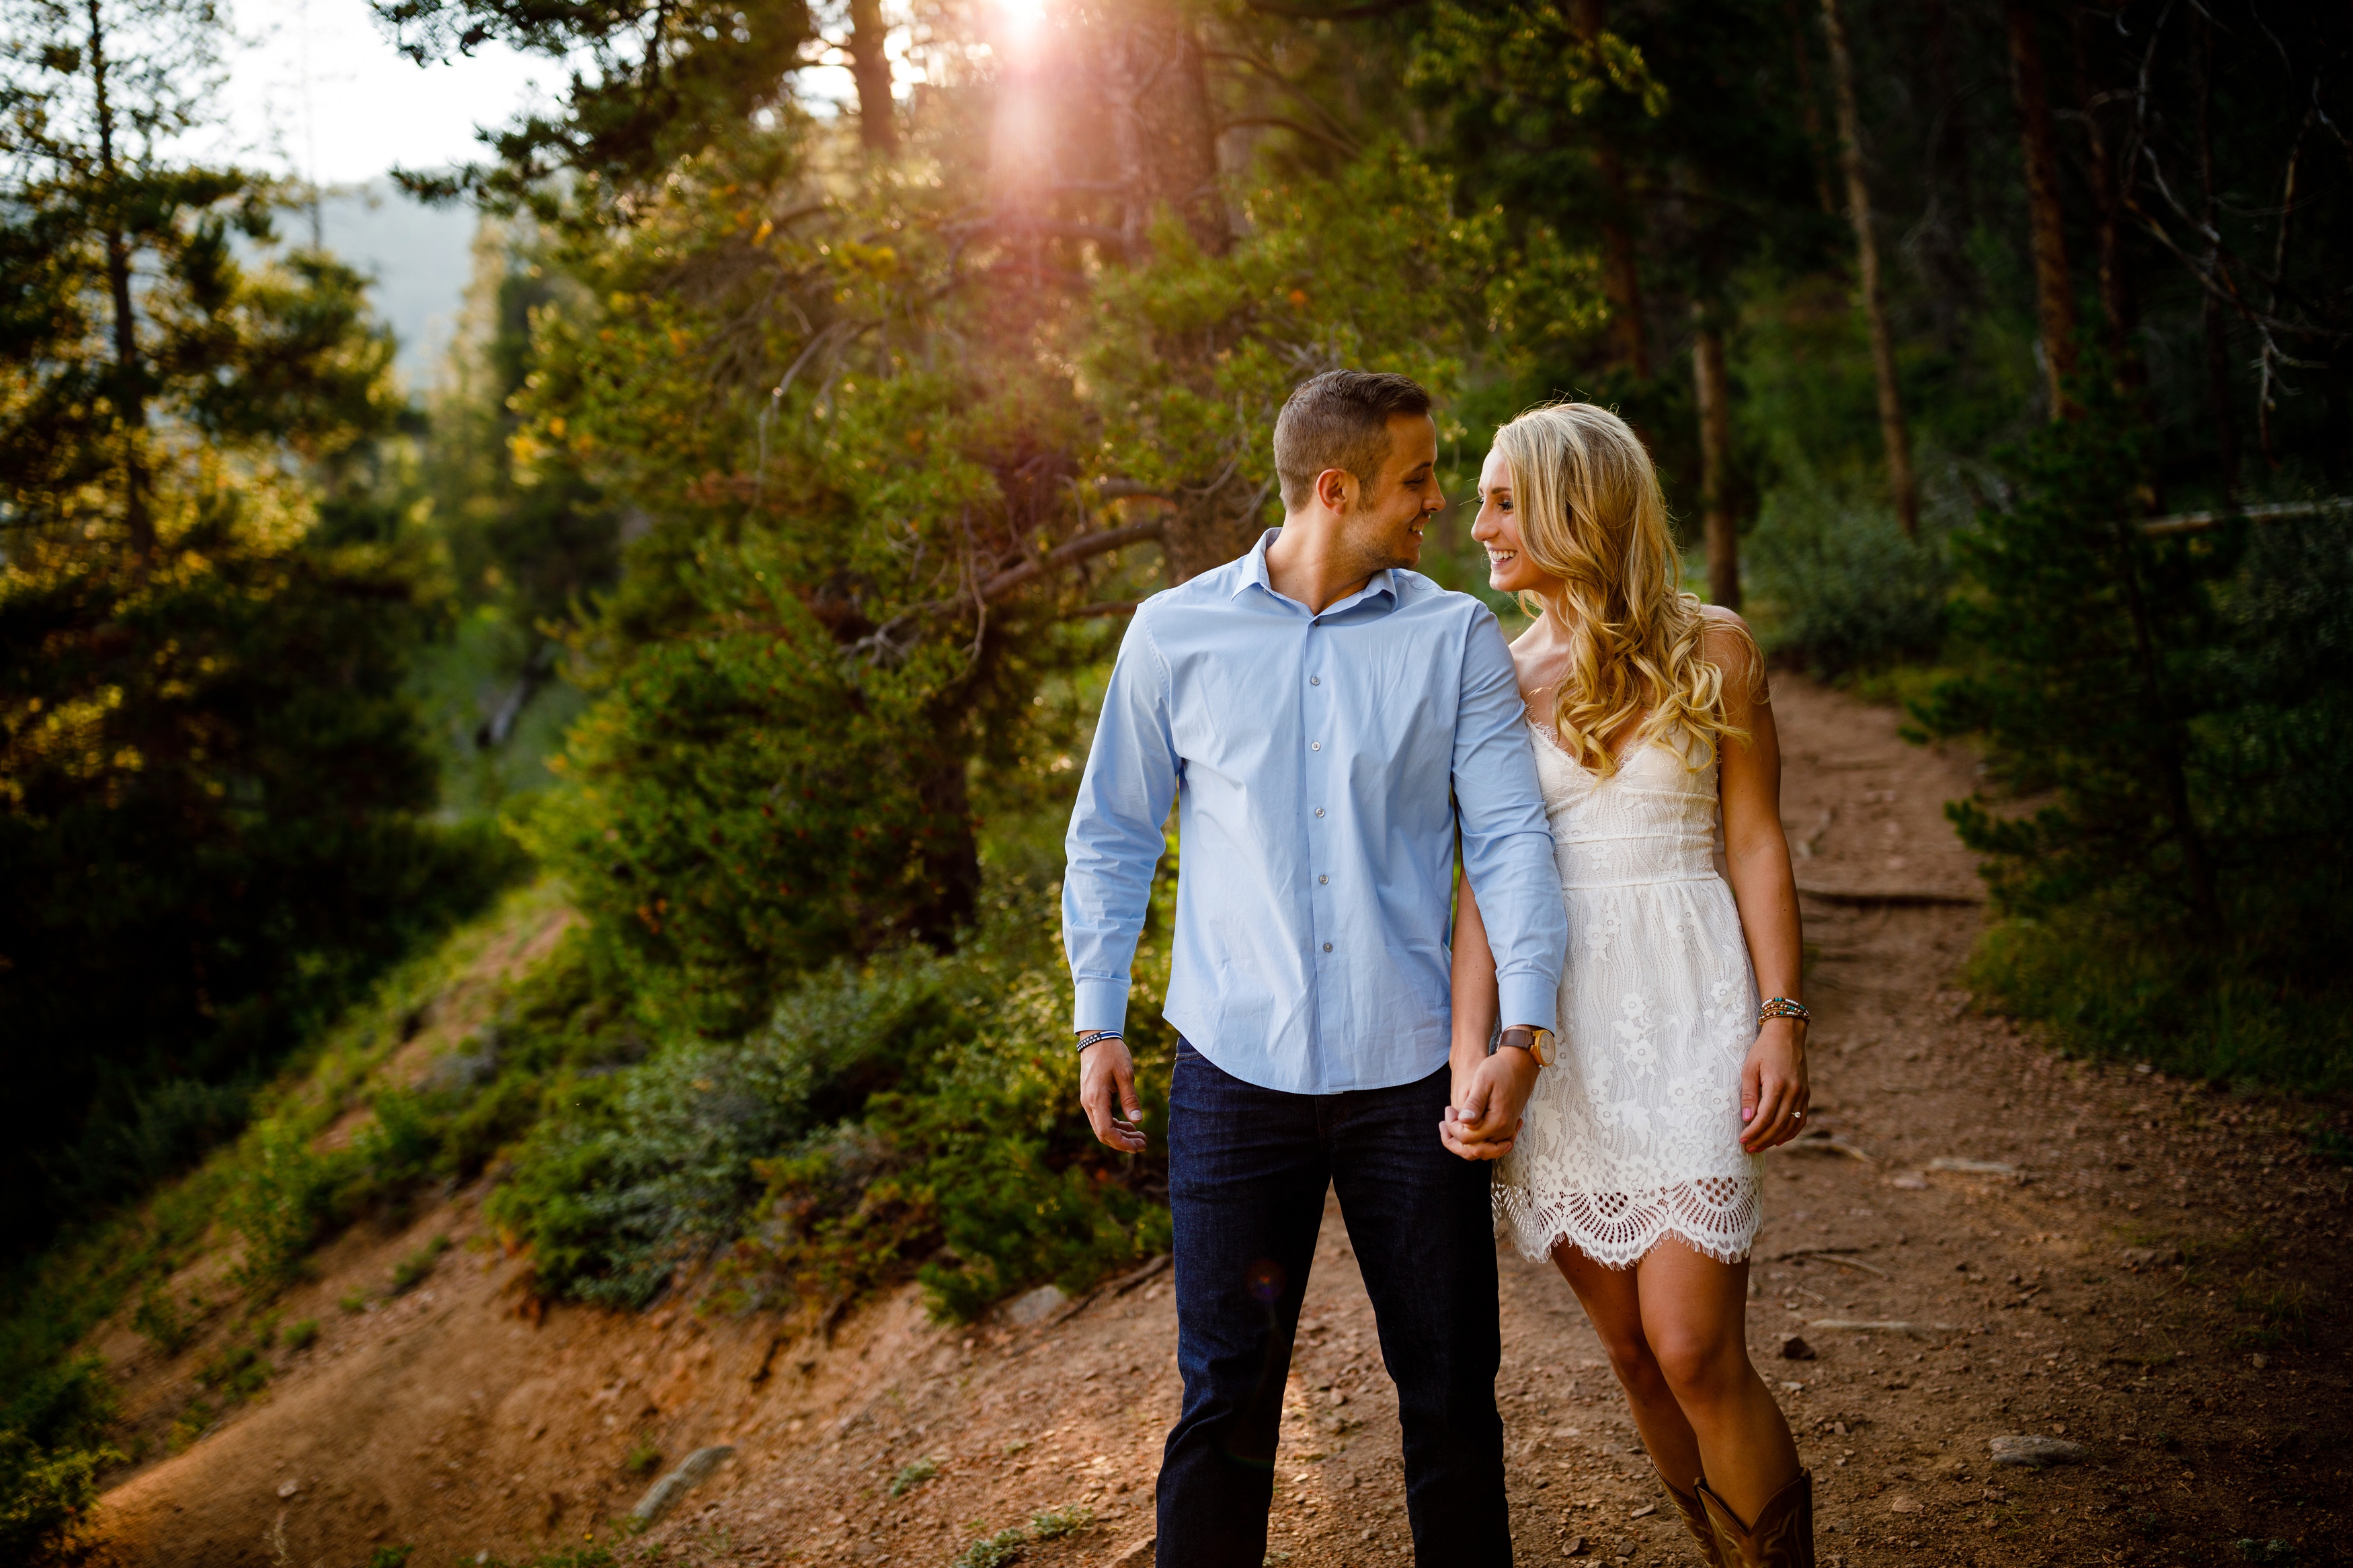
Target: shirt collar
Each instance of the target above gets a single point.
(1253, 575)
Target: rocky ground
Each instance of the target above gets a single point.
(1982, 1240)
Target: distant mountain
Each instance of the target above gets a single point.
(420, 258)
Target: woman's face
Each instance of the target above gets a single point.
(1509, 570)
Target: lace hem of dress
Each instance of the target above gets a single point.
(1714, 1215)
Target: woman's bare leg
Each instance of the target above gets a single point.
(1612, 1299)
(1674, 1326)
(1695, 1320)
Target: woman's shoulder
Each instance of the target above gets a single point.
(1725, 642)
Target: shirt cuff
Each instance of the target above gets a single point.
(1527, 999)
(1102, 1004)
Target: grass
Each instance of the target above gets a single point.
(301, 1334)
(414, 1269)
(643, 1458)
(2103, 991)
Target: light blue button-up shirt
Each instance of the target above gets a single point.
(1320, 764)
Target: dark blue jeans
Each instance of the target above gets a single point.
(1248, 1168)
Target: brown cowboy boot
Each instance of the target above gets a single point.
(1695, 1520)
(1783, 1535)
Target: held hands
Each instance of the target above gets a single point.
(1483, 1120)
(1774, 1092)
(1107, 1088)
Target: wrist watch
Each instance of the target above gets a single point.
(1537, 1041)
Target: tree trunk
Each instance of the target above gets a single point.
(1951, 214)
(130, 391)
(1621, 280)
(1715, 401)
(1892, 430)
(869, 66)
(2218, 343)
(2055, 297)
(2119, 308)
(1166, 136)
(1810, 112)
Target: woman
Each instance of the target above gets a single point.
(1630, 1160)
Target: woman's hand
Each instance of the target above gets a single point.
(1774, 1092)
(1483, 1121)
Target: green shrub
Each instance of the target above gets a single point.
(51, 1449)
(1055, 1522)
(158, 1321)
(642, 1456)
(301, 1334)
(912, 1476)
(993, 1550)
(413, 1271)
(391, 1556)
(281, 1198)
(1832, 582)
(2185, 891)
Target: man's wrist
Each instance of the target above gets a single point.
(1536, 1040)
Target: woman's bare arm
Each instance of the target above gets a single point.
(1489, 1091)
(1774, 1090)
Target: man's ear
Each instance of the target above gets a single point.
(1336, 490)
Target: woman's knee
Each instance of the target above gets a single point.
(1701, 1367)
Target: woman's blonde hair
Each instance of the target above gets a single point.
(1590, 514)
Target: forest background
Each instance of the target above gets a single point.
(745, 582)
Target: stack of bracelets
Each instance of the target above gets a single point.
(1783, 1007)
(1096, 1036)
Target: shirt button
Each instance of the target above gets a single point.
(1323, 879)
(1314, 680)
(1315, 745)
(1327, 947)
(1319, 811)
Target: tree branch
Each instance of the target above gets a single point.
(1346, 13)
(1279, 122)
(1061, 555)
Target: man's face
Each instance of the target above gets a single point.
(1384, 528)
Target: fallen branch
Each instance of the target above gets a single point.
(1898, 899)
(1887, 1326)
(2200, 521)
(1113, 1290)
(1832, 1254)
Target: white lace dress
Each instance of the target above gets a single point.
(1633, 1135)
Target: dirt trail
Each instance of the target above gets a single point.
(446, 1420)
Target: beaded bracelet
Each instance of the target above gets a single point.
(1783, 1007)
(1097, 1037)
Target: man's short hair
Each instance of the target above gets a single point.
(1339, 419)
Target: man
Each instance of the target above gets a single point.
(1318, 711)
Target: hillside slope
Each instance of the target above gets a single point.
(1969, 1185)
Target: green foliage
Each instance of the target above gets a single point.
(2182, 895)
(157, 1319)
(1833, 581)
(301, 1334)
(913, 1475)
(1054, 1523)
(993, 1550)
(51, 1449)
(415, 1267)
(391, 1556)
(278, 1207)
(213, 791)
(642, 1456)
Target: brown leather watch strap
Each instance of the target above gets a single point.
(1537, 1041)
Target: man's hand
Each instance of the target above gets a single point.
(1774, 1092)
(1485, 1120)
(1107, 1087)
